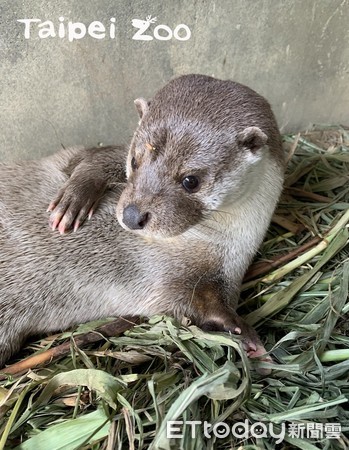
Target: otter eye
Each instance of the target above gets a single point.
(134, 165)
(191, 183)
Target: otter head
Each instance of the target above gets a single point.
(181, 167)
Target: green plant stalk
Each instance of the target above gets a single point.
(12, 418)
(345, 309)
(279, 238)
(335, 355)
(283, 297)
(302, 259)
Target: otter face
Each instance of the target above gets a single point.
(180, 170)
(162, 197)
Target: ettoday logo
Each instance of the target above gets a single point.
(244, 430)
(221, 430)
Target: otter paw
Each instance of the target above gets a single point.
(71, 207)
(212, 325)
(257, 350)
(249, 338)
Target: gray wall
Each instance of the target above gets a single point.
(54, 92)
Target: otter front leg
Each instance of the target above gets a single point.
(229, 321)
(92, 172)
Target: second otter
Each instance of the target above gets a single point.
(203, 176)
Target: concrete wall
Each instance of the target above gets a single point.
(53, 92)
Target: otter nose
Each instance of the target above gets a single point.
(133, 218)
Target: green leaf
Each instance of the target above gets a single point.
(70, 434)
(105, 384)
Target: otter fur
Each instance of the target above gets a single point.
(176, 220)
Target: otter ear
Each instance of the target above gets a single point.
(253, 138)
(142, 106)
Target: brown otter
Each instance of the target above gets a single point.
(203, 175)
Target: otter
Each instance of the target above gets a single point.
(176, 220)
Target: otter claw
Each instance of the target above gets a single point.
(55, 221)
(62, 226)
(250, 347)
(76, 225)
(51, 207)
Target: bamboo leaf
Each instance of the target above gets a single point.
(70, 434)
